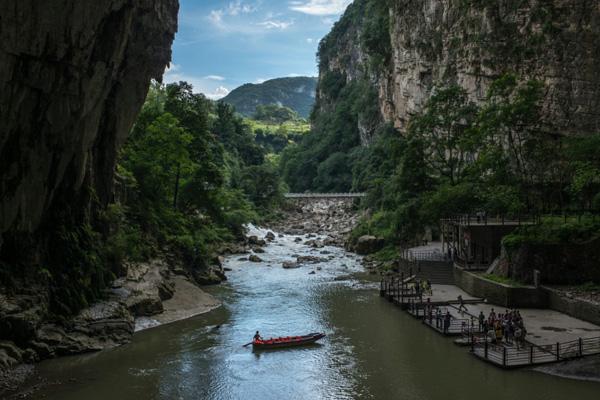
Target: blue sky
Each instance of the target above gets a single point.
(222, 44)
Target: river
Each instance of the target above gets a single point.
(372, 351)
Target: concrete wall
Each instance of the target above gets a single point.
(497, 293)
(577, 308)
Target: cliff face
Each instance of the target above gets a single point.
(73, 76)
(470, 43)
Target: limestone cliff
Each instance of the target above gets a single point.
(470, 43)
(73, 76)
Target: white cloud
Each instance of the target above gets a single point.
(258, 81)
(218, 93)
(215, 77)
(239, 7)
(216, 17)
(320, 7)
(310, 40)
(275, 24)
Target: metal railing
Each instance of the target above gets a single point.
(530, 354)
(484, 219)
(424, 255)
(323, 195)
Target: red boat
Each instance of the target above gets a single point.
(289, 341)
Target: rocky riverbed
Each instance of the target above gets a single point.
(331, 218)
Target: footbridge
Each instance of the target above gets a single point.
(318, 196)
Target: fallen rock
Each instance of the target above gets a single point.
(270, 236)
(254, 240)
(314, 243)
(255, 258)
(290, 265)
(258, 250)
(368, 244)
(310, 260)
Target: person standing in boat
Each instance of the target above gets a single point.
(257, 337)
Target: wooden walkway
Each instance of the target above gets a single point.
(505, 355)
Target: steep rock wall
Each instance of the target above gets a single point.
(73, 76)
(470, 43)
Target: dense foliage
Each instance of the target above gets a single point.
(191, 174)
(274, 113)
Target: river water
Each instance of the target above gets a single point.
(372, 351)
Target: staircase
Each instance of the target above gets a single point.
(438, 272)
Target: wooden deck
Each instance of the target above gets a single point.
(465, 325)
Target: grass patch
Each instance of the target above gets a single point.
(388, 253)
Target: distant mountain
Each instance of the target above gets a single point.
(297, 93)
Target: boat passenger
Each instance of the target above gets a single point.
(257, 337)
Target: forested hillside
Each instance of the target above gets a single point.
(297, 93)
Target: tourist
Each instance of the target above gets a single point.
(461, 305)
(447, 319)
(429, 310)
(492, 317)
(507, 327)
(499, 333)
(481, 321)
(518, 336)
(429, 287)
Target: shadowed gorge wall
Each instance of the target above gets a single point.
(73, 76)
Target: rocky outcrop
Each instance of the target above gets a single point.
(469, 43)
(368, 244)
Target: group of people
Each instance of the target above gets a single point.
(503, 328)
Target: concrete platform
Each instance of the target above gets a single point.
(545, 327)
(449, 293)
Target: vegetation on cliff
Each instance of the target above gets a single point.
(461, 158)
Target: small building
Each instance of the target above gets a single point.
(475, 241)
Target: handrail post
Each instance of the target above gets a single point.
(485, 349)
(557, 351)
(580, 347)
(504, 356)
(531, 354)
